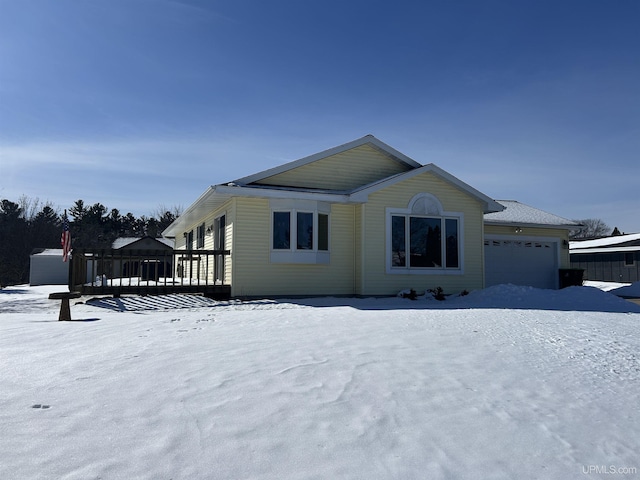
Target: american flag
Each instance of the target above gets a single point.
(65, 239)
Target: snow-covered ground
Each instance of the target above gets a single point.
(509, 382)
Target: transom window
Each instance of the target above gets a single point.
(423, 238)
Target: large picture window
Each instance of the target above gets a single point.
(423, 238)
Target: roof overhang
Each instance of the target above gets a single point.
(216, 196)
(529, 225)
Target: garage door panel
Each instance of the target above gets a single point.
(521, 262)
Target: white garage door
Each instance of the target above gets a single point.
(521, 262)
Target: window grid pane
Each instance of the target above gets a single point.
(451, 245)
(281, 230)
(425, 237)
(323, 232)
(304, 230)
(398, 242)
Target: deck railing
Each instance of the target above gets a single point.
(148, 272)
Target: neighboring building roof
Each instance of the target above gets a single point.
(47, 251)
(516, 213)
(618, 243)
(122, 242)
(575, 251)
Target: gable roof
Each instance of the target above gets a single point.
(215, 196)
(516, 213)
(489, 205)
(369, 140)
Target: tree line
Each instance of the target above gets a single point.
(29, 224)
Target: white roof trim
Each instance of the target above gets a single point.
(361, 195)
(367, 139)
(633, 248)
(214, 197)
(266, 192)
(192, 214)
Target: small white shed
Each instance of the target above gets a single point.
(47, 268)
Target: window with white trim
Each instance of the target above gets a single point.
(299, 231)
(423, 238)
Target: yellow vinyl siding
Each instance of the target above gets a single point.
(181, 241)
(255, 275)
(358, 248)
(561, 234)
(375, 279)
(343, 171)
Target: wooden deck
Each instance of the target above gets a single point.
(148, 272)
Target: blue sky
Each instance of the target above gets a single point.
(141, 103)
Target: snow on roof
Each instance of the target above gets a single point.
(124, 241)
(50, 251)
(519, 213)
(605, 242)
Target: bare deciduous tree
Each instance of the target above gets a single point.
(591, 228)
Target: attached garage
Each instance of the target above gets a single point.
(525, 246)
(526, 261)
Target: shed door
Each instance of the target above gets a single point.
(521, 262)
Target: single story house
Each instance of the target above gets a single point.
(364, 219)
(610, 259)
(47, 268)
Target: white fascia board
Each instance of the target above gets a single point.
(495, 223)
(216, 195)
(490, 205)
(260, 192)
(190, 215)
(367, 139)
(614, 249)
